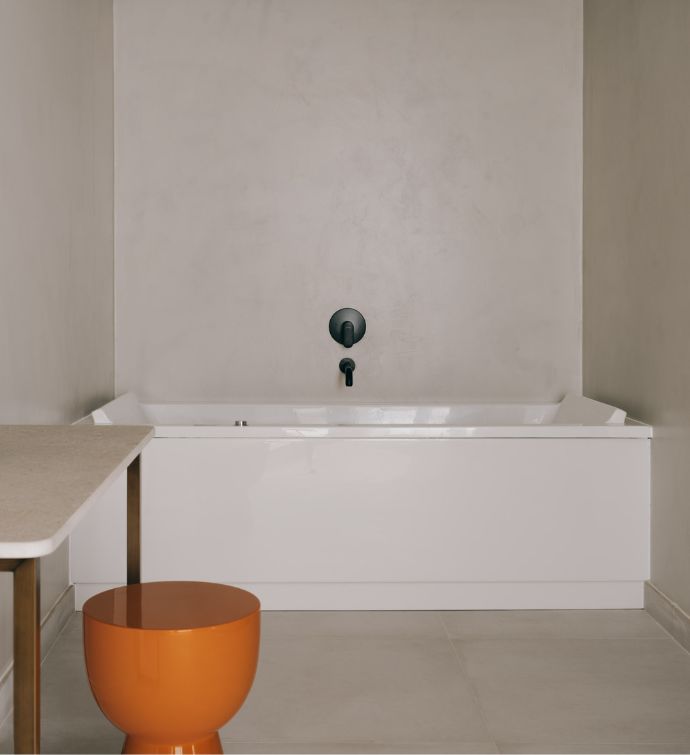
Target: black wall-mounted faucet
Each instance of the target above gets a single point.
(347, 334)
(347, 326)
(348, 367)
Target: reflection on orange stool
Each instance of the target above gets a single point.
(170, 662)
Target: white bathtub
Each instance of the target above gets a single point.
(389, 507)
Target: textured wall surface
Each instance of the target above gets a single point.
(636, 260)
(56, 230)
(417, 159)
(56, 196)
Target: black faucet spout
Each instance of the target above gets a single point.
(347, 366)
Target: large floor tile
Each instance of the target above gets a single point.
(357, 748)
(387, 682)
(358, 689)
(581, 691)
(400, 624)
(550, 624)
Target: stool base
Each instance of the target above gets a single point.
(207, 746)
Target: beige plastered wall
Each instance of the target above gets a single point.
(419, 160)
(636, 250)
(56, 229)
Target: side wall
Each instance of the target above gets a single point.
(56, 230)
(636, 258)
(419, 160)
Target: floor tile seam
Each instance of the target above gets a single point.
(359, 636)
(569, 743)
(549, 638)
(474, 692)
(446, 629)
(441, 622)
(384, 742)
(441, 745)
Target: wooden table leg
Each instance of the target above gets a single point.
(27, 657)
(134, 522)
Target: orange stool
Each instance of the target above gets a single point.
(170, 662)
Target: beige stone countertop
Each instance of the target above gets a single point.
(50, 475)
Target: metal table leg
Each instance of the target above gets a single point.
(27, 653)
(134, 522)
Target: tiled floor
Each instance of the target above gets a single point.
(428, 682)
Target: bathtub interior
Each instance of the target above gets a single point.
(573, 410)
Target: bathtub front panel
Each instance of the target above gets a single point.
(523, 514)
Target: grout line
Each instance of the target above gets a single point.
(355, 741)
(551, 638)
(561, 744)
(439, 616)
(473, 690)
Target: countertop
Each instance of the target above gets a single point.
(50, 475)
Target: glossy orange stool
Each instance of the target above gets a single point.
(169, 663)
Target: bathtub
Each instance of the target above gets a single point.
(501, 506)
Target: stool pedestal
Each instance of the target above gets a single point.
(134, 745)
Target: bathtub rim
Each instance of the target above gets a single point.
(128, 409)
(633, 430)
